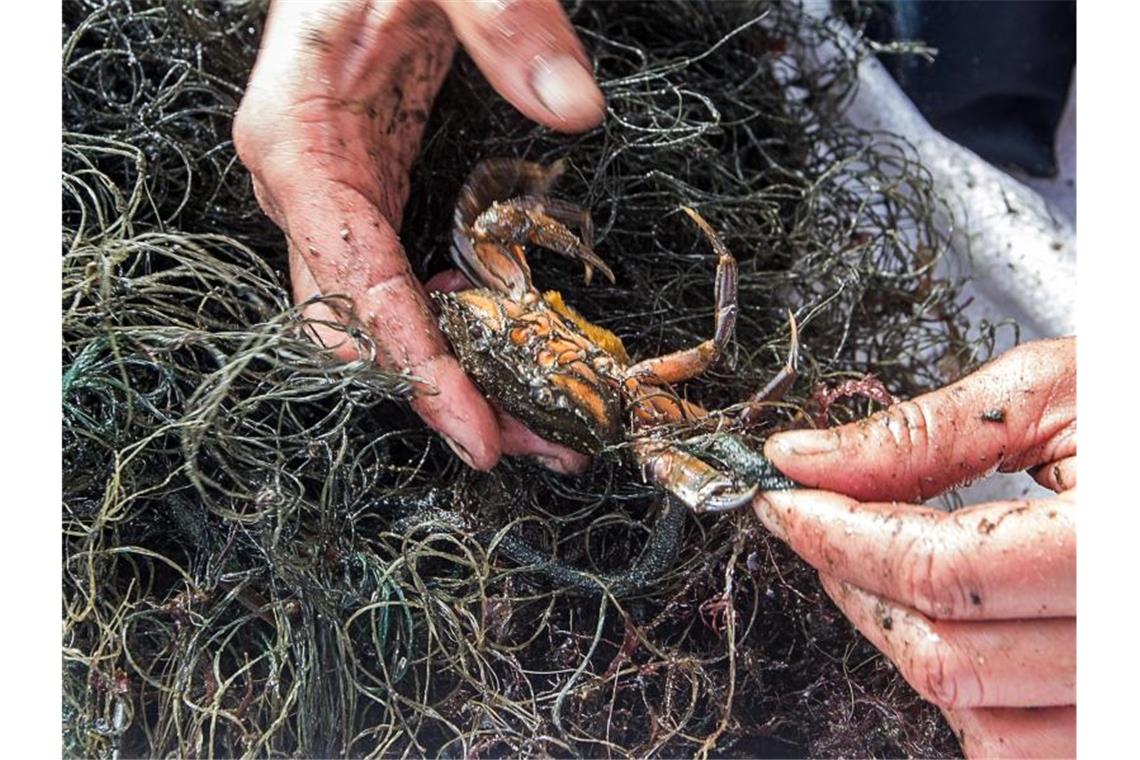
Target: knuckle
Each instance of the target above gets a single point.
(909, 428)
(940, 674)
(930, 580)
(935, 672)
(260, 125)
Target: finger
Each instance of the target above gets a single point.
(1002, 560)
(458, 412)
(1004, 663)
(519, 440)
(530, 54)
(448, 281)
(1016, 412)
(1047, 732)
(368, 264)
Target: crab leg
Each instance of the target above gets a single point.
(490, 265)
(522, 220)
(778, 385)
(498, 179)
(568, 214)
(486, 261)
(503, 206)
(690, 362)
(572, 215)
(651, 406)
(559, 216)
(528, 182)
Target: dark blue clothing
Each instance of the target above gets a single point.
(1000, 81)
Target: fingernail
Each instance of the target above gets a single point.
(805, 442)
(460, 452)
(567, 89)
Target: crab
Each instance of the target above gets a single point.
(572, 381)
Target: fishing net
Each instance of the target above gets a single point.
(266, 553)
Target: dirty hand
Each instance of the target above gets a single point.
(329, 127)
(977, 608)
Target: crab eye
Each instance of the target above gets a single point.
(544, 396)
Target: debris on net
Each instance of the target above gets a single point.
(265, 553)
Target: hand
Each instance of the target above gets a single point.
(329, 127)
(977, 608)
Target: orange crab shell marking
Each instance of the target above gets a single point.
(586, 396)
(537, 365)
(652, 405)
(489, 310)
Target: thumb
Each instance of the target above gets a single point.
(1015, 413)
(530, 54)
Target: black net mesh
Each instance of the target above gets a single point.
(266, 553)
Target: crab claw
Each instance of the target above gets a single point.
(694, 482)
(729, 452)
(553, 236)
(724, 496)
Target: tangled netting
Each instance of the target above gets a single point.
(264, 551)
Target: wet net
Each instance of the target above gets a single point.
(265, 552)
